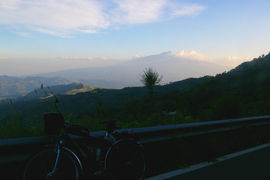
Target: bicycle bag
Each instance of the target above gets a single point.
(53, 123)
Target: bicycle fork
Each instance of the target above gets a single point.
(58, 151)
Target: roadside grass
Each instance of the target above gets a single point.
(16, 126)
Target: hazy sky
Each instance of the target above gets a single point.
(38, 30)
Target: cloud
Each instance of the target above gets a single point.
(36, 65)
(194, 55)
(53, 16)
(230, 61)
(187, 10)
(136, 12)
(64, 17)
(234, 61)
(24, 34)
(237, 58)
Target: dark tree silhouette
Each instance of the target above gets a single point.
(150, 78)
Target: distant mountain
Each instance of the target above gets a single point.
(127, 74)
(12, 87)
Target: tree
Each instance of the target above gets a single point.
(150, 78)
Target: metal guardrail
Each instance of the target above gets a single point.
(167, 132)
(148, 134)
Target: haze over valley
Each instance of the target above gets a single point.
(124, 73)
(127, 73)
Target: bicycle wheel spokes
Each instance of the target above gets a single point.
(41, 165)
(126, 161)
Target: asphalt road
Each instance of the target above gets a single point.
(251, 166)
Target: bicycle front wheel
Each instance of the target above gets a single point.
(41, 164)
(125, 160)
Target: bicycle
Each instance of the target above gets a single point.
(116, 156)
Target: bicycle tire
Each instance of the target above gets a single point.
(41, 164)
(125, 160)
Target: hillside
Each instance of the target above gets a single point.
(12, 87)
(83, 103)
(241, 92)
(49, 91)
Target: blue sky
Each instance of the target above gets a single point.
(225, 29)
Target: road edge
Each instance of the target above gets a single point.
(191, 168)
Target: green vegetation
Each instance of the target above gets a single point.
(14, 127)
(241, 92)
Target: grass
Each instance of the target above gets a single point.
(16, 126)
(85, 88)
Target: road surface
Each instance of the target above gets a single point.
(250, 166)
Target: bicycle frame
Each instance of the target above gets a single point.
(59, 149)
